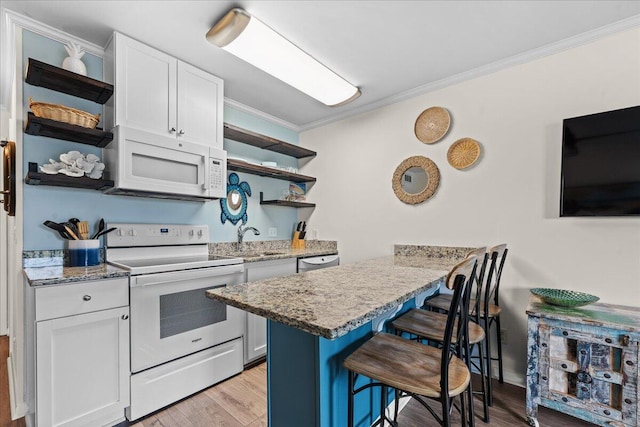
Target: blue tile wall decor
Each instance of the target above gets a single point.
(237, 189)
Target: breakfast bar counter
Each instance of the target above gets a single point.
(316, 319)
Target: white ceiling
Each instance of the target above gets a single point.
(390, 49)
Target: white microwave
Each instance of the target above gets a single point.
(145, 164)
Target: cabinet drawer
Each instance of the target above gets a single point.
(81, 297)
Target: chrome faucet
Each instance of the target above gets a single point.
(241, 232)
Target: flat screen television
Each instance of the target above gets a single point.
(601, 164)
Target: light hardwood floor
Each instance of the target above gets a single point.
(241, 401)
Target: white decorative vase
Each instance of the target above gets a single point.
(72, 62)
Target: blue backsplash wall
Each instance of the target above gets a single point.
(59, 204)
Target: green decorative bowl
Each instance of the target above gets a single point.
(563, 297)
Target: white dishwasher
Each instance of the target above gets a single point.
(317, 262)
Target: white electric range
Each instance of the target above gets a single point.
(181, 341)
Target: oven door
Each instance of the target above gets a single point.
(149, 163)
(171, 316)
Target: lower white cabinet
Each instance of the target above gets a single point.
(256, 336)
(80, 368)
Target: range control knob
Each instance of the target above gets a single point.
(191, 233)
(200, 233)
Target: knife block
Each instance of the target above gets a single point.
(297, 242)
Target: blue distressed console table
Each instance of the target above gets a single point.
(584, 362)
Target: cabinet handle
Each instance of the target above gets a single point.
(87, 297)
(172, 130)
(181, 132)
(125, 316)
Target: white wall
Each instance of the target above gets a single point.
(510, 196)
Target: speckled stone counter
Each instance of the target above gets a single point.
(49, 258)
(316, 319)
(55, 275)
(453, 252)
(332, 302)
(255, 251)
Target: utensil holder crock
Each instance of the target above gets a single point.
(84, 253)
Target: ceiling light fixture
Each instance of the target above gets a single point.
(249, 39)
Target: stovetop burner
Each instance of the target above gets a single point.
(159, 265)
(157, 248)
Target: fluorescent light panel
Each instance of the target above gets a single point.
(249, 39)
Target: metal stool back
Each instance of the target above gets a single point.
(418, 370)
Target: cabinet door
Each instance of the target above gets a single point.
(587, 368)
(256, 338)
(145, 86)
(82, 369)
(200, 98)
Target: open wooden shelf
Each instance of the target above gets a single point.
(60, 80)
(54, 129)
(265, 142)
(287, 203)
(240, 166)
(60, 180)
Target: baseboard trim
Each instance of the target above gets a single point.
(513, 378)
(18, 409)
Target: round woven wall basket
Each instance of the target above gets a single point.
(432, 124)
(463, 153)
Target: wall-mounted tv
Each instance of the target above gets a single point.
(601, 164)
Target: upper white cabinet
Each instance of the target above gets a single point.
(200, 106)
(158, 93)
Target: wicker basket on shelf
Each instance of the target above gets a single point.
(64, 114)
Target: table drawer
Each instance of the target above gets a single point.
(80, 297)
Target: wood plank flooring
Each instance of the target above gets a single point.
(5, 402)
(241, 401)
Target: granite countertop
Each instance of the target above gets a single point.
(331, 302)
(55, 275)
(266, 250)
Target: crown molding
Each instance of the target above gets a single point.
(261, 114)
(10, 25)
(531, 55)
(48, 31)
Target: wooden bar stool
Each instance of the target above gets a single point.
(430, 325)
(487, 309)
(415, 369)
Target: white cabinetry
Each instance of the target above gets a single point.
(78, 350)
(160, 94)
(256, 336)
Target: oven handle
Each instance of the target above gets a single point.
(201, 273)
